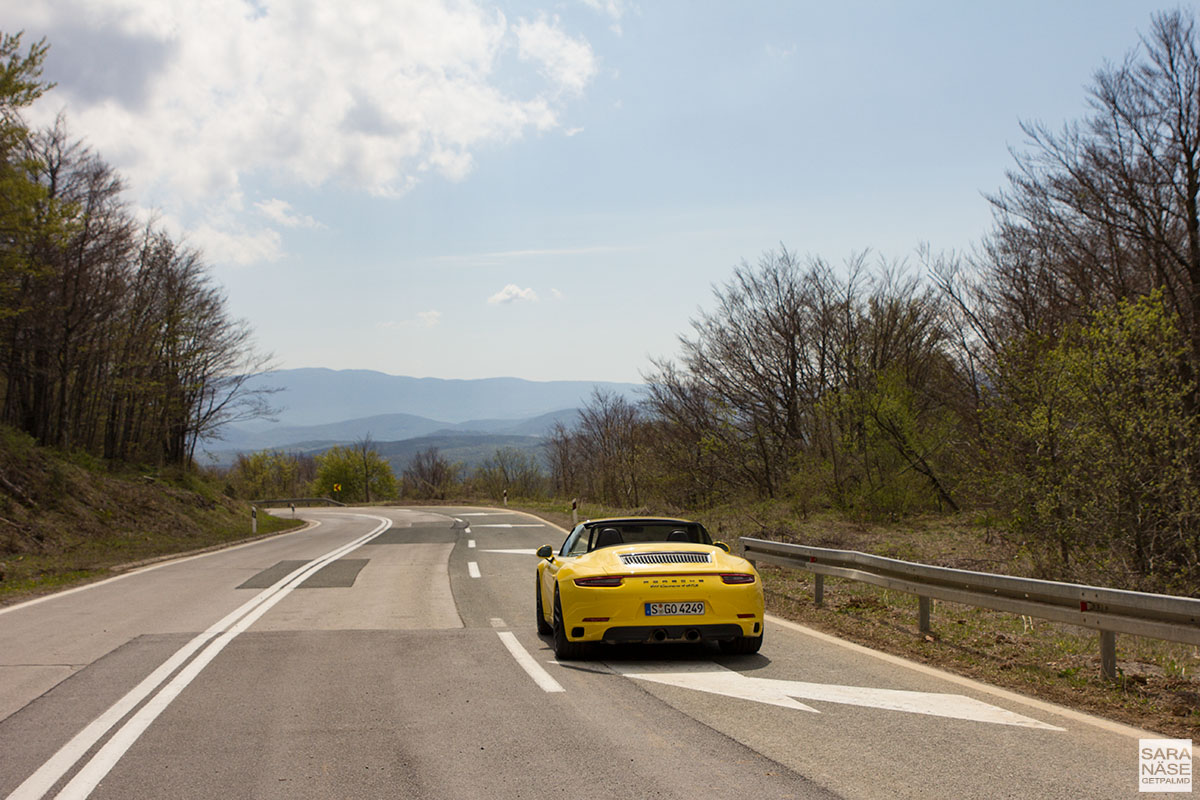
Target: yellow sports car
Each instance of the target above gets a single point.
(646, 580)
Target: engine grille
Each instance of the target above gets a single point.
(629, 559)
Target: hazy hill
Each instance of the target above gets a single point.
(468, 449)
(396, 431)
(382, 427)
(318, 396)
(319, 408)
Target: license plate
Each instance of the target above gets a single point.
(673, 609)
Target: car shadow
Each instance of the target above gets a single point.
(673, 653)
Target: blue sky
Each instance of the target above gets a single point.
(550, 190)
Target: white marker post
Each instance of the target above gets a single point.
(253, 520)
(575, 511)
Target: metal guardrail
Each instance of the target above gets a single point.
(1111, 611)
(297, 501)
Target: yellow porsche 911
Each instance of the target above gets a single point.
(646, 580)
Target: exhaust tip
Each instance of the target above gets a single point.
(659, 635)
(692, 636)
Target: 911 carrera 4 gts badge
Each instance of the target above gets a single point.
(672, 583)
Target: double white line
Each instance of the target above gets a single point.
(208, 644)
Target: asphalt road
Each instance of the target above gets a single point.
(386, 652)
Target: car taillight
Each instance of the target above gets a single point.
(605, 581)
(737, 577)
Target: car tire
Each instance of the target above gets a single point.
(742, 646)
(543, 627)
(564, 649)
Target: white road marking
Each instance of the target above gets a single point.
(487, 513)
(497, 623)
(515, 552)
(51, 772)
(715, 679)
(471, 543)
(528, 663)
(1003, 694)
(513, 525)
(473, 569)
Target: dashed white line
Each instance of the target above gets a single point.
(471, 543)
(473, 569)
(529, 664)
(497, 623)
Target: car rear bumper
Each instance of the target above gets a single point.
(619, 613)
(673, 633)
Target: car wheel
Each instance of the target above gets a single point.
(543, 627)
(564, 649)
(742, 646)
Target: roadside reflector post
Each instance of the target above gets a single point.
(506, 498)
(924, 606)
(819, 588)
(575, 512)
(253, 520)
(1108, 654)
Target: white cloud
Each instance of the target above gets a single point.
(557, 295)
(232, 244)
(779, 53)
(429, 319)
(564, 60)
(190, 100)
(424, 319)
(613, 9)
(282, 213)
(505, 256)
(513, 294)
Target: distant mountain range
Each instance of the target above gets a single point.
(318, 396)
(467, 420)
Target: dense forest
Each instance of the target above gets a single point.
(114, 339)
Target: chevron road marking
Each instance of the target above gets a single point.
(715, 679)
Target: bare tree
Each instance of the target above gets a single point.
(368, 462)
(1109, 208)
(610, 434)
(430, 476)
(509, 470)
(562, 453)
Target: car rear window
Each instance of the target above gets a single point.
(653, 532)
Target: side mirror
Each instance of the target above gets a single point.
(545, 551)
(722, 545)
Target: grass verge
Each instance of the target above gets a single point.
(67, 519)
